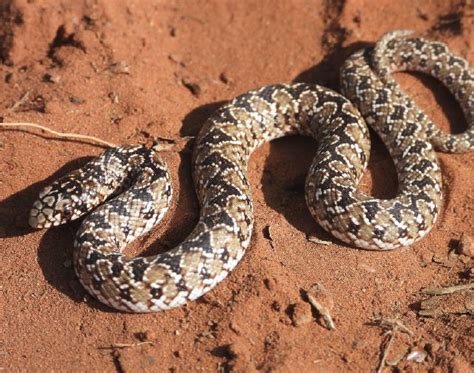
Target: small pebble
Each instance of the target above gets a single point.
(426, 258)
(234, 327)
(114, 97)
(269, 283)
(119, 68)
(267, 233)
(177, 59)
(48, 78)
(76, 100)
(276, 306)
(224, 78)
(417, 356)
(141, 336)
(9, 77)
(194, 88)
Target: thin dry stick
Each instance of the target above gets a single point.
(125, 345)
(391, 326)
(448, 290)
(386, 349)
(64, 135)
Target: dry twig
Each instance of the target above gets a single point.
(315, 239)
(125, 345)
(391, 326)
(20, 102)
(447, 290)
(64, 135)
(322, 301)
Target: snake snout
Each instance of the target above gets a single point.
(50, 211)
(54, 206)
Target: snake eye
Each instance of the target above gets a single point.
(67, 211)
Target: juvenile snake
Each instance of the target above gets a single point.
(136, 186)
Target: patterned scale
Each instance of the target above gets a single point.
(129, 189)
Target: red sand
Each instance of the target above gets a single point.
(133, 70)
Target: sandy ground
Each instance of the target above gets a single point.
(131, 71)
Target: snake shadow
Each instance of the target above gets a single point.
(15, 209)
(56, 244)
(55, 248)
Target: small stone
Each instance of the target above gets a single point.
(466, 245)
(417, 356)
(48, 78)
(151, 335)
(301, 314)
(464, 259)
(432, 348)
(114, 97)
(426, 258)
(194, 88)
(9, 77)
(76, 100)
(276, 306)
(141, 336)
(267, 232)
(269, 283)
(393, 362)
(176, 58)
(119, 68)
(224, 78)
(116, 118)
(234, 327)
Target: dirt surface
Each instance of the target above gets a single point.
(131, 71)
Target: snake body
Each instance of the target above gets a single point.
(135, 185)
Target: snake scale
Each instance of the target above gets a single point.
(128, 188)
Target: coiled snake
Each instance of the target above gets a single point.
(135, 184)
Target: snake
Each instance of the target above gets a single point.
(123, 193)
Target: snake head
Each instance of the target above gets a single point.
(64, 200)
